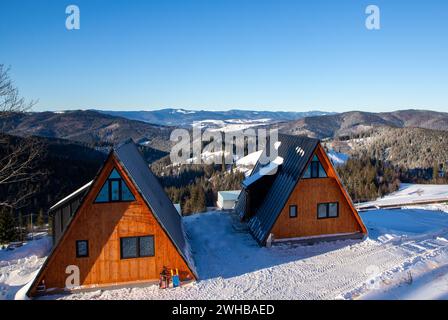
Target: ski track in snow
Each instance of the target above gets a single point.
(338, 270)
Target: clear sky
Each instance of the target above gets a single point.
(222, 54)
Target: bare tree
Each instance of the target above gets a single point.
(18, 157)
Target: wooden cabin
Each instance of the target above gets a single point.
(298, 197)
(119, 229)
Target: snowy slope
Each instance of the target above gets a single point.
(337, 158)
(232, 266)
(20, 266)
(411, 194)
(406, 251)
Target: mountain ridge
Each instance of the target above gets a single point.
(355, 122)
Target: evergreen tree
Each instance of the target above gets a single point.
(40, 218)
(8, 227)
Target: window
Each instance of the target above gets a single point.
(315, 169)
(82, 248)
(136, 247)
(293, 211)
(114, 190)
(328, 210)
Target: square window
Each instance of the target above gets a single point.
(146, 246)
(129, 247)
(333, 210)
(293, 211)
(82, 248)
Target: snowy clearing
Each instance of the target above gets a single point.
(405, 257)
(338, 158)
(232, 266)
(20, 266)
(410, 194)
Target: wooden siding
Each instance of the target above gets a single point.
(103, 224)
(307, 194)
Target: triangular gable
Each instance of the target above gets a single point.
(156, 198)
(315, 169)
(114, 189)
(298, 153)
(319, 156)
(347, 197)
(90, 196)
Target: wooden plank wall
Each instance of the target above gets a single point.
(306, 195)
(103, 224)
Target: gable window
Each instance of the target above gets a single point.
(82, 248)
(114, 189)
(315, 170)
(293, 211)
(136, 247)
(328, 210)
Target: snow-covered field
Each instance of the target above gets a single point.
(405, 257)
(20, 266)
(410, 194)
(338, 158)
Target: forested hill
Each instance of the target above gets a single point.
(355, 122)
(88, 126)
(64, 166)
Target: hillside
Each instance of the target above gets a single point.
(355, 122)
(411, 148)
(66, 167)
(87, 126)
(185, 118)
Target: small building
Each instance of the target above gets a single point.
(62, 212)
(298, 196)
(227, 199)
(119, 229)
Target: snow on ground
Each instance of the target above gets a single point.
(405, 257)
(232, 266)
(412, 194)
(338, 158)
(230, 125)
(20, 266)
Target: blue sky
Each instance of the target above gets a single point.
(222, 54)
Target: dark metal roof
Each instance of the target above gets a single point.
(296, 152)
(155, 196)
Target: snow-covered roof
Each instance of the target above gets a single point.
(294, 153)
(269, 169)
(72, 195)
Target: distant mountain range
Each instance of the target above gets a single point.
(185, 118)
(97, 128)
(87, 126)
(347, 123)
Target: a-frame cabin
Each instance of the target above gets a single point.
(125, 230)
(298, 197)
